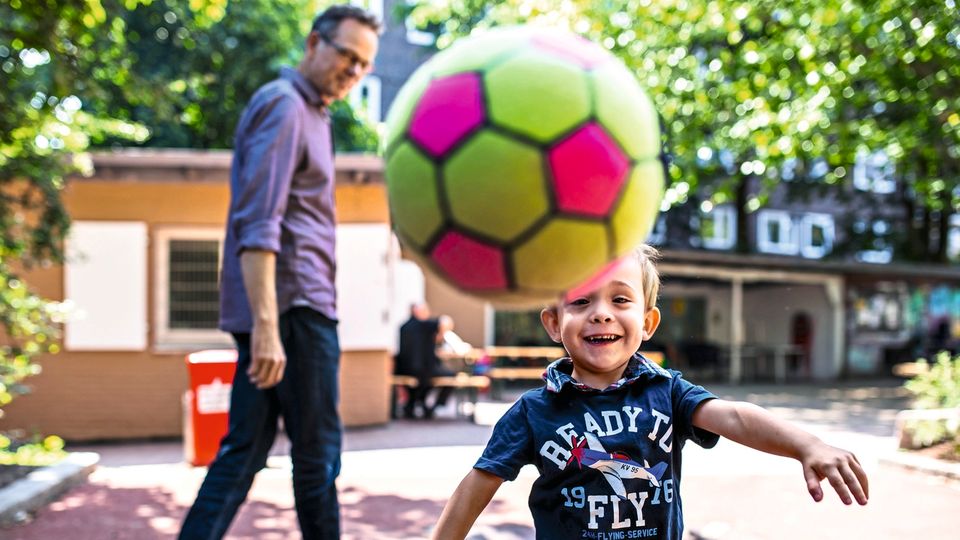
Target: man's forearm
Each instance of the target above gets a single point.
(259, 280)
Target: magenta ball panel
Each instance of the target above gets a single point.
(589, 171)
(450, 109)
(471, 264)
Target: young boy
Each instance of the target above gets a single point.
(606, 431)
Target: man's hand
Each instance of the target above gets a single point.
(267, 358)
(840, 467)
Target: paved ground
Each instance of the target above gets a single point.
(396, 479)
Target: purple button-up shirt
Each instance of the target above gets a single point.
(282, 200)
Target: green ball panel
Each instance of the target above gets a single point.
(538, 95)
(636, 213)
(412, 191)
(563, 254)
(626, 111)
(495, 186)
(478, 51)
(398, 119)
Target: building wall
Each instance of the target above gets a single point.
(769, 312)
(136, 394)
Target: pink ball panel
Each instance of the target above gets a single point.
(574, 49)
(470, 264)
(589, 170)
(449, 109)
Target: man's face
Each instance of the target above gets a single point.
(335, 64)
(602, 329)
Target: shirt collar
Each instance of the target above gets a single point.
(305, 87)
(558, 374)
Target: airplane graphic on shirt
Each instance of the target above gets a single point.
(615, 466)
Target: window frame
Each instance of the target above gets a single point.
(881, 182)
(789, 243)
(953, 237)
(727, 213)
(807, 222)
(177, 339)
(373, 108)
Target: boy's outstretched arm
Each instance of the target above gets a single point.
(755, 427)
(470, 498)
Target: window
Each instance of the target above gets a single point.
(658, 236)
(187, 306)
(880, 251)
(105, 285)
(718, 227)
(776, 233)
(874, 171)
(365, 99)
(953, 238)
(416, 36)
(816, 235)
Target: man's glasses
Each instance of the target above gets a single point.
(347, 54)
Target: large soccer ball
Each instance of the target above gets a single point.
(521, 161)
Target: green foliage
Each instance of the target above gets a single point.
(77, 73)
(937, 386)
(50, 52)
(765, 89)
(35, 453)
(199, 74)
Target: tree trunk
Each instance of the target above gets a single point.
(742, 194)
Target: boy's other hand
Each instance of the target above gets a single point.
(840, 467)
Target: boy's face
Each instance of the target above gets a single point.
(602, 329)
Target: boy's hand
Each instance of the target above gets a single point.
(839, 467)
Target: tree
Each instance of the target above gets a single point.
(750, 91)
(82, 73)
(201, 73)
(54, 55)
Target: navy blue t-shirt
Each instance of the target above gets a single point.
(609, 460)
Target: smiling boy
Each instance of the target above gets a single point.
(607, 429)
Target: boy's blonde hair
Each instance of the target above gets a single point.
(647, 256)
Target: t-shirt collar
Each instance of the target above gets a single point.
(305, 87)
(558, 374)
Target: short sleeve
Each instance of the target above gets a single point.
(510, 446)
(686, 398)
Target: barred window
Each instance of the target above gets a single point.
(193, 293)
(187, 284)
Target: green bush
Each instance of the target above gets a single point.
(36, 452)
(937, 386)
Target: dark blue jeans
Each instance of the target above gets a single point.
(307, 400)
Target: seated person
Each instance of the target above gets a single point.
(417, 357)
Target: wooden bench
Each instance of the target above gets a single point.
(500, 374)
(466, 390)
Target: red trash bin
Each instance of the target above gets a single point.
(207, 403)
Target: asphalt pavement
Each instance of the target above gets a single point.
(396, 478)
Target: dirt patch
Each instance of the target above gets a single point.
(946, 451)
(12, 473)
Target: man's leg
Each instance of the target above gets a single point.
(308, 399)
(243, 452)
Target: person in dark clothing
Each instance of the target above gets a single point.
(417, 357)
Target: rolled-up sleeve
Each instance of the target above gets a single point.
(270, 145)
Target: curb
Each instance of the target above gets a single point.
(42, 486)
(923, 464)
